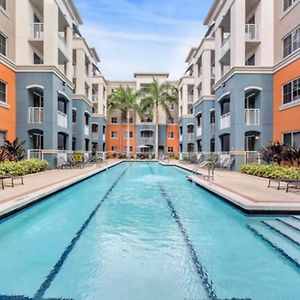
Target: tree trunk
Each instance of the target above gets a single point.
(156, 130)
(128, 143)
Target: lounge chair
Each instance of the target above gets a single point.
(228, 165)
(292, 183)
(12, 179)
(295, 183)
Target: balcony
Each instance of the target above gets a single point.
(180, 138)
(252, 33)
(37, 31)
(190, 99)
(225, 47)
(252, 116)
(212, 128)
(86, 130)
(95, 97)
(95, 135)
(225, 121)
(35, 115)
(147, 140)
(190, 136)
(62, 119)
(74, 127)
(104, 137)
(62, 46)
(199, 131)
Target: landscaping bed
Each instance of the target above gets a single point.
(23, 167)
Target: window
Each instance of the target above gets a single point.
(113, 148)
(2, 91)
(146, 134)
(251, 61)
(172, 106)
(130, 149)
(2, 137)
(170, 149)
(292, 139)
(287, 4)
(291, 42)
(171, 120)
(37, 60)
(114, 120)
(171, 135)
(130, 134)
(131, 120)
(3, 44)
(291, 91)
(3, 4)
(114, 134)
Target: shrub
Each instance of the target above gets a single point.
(23, 167)
(270, 171)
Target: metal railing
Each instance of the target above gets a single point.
(35, 115)
(225, 121)
(252, 116)
(86, 129)
(95, 97)
(147, 140)
(199, 131)
(35, 153)
(62, 119)
(180, 138)
(74, 127)
(104, 137)
(190, 99)
(190, 136)
(252, 32)
(37, 31)
(212, 128)
(225, 46)
(95, 135)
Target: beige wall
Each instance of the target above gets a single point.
(7, 27)
(285, 22)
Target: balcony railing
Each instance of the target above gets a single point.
(199, 131)
(180, 138)
(95, 135)
(104, 137)
(252, 32)
(252, 116)
(37, 31)
(212, 128)
(190, 136)
(190, 98)
(74, 127)
(35, 115)
(95, 97)
(147, 140)
(62, 119)
(225, 121)
(86, 130)
(225, 46)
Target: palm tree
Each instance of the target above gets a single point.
(124, 100)
(157, 95)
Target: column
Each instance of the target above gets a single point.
(206, 72)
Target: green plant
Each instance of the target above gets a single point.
(23, 167)
(271, 171)
(153, 96)
(14, 150)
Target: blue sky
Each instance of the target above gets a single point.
(142, 35)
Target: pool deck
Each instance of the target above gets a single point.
(249, 193)
(40, 185)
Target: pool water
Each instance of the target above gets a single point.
(141, 231)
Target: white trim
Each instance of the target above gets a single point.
(223, 96)
(74, 108)
(63, 94)
(253, 88)
(86, 112)
(212, 109)
(199, 113)
(28, 87)
(189, 124)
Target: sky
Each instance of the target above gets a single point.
(142, 35)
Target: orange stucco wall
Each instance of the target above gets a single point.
(120, 142)
(173, 142)
(288, 119)
(8, 114)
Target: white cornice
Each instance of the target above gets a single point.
(82, 97)
(204, 98)
(287, 60)
(7, 62)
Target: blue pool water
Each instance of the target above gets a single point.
(141, 231)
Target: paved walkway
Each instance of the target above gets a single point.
(45, 183)
(248, 192)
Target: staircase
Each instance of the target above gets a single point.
(283, 234)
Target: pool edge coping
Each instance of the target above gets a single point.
(19, 203)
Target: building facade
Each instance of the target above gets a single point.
(287, 73)
(7, 72)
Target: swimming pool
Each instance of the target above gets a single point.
(141, 231)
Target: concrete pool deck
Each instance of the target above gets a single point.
(249, 193)
(41, 185)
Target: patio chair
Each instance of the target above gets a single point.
(228, 165)
(12, 179)
(292, 183)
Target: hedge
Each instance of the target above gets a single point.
(23, 167)
(271, 171)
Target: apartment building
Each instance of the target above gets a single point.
(89, 98)
(7, 71)
(44, 50)
(287, 72)
(142, 130)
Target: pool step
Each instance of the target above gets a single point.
(294, 223)
(284, 230)
(296, 217)
(284, 246)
